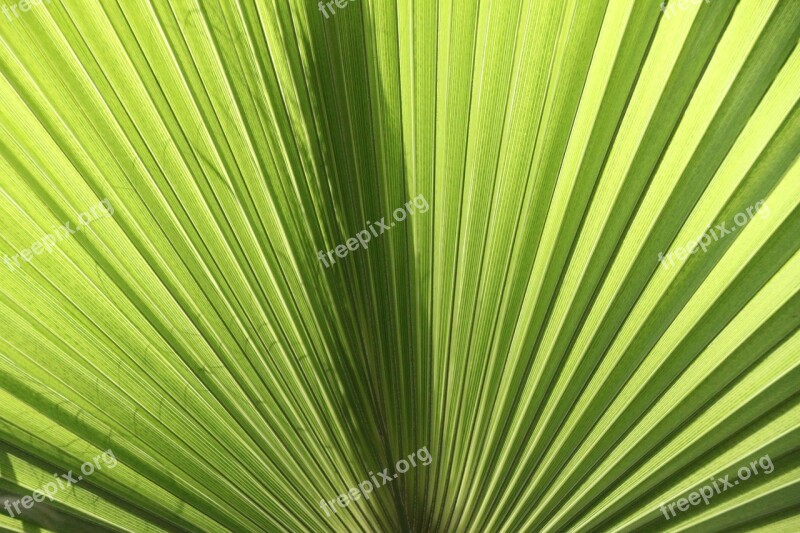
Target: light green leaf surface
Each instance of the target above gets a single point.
(522, 328)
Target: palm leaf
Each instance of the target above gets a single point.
(552, 327)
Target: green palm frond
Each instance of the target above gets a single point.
(589, 310)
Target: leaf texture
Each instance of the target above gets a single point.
(547, 320)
